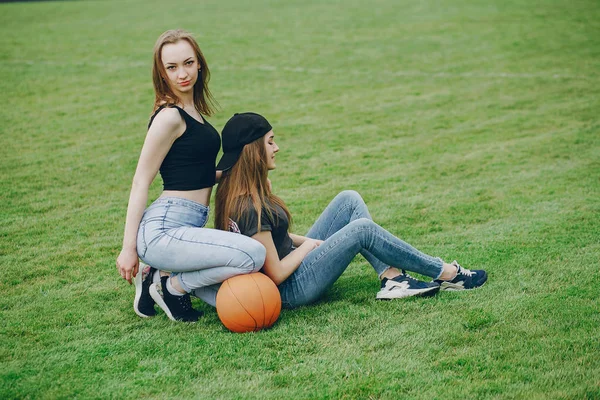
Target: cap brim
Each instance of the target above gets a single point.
(228, 160)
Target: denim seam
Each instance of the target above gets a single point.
(324, 253)
(183, 285)
(441, 269)
(143, 225)
(205, 219)
(166, 233)
(422, 259)
(330, 247)
(344, 207)
(164, 217)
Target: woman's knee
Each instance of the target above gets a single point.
(350, 195)
(255, 254)
(259, 254)
(361, 230)
(361, 224)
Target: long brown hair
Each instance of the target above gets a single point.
(203, 98)
(246, 180)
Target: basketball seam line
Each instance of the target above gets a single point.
(262, 301)
(238, 300)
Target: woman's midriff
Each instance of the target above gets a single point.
(201, 196)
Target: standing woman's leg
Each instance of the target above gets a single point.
(208, 294)
(201, 259)
(172, 237)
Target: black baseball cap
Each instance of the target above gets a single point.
(240, 130)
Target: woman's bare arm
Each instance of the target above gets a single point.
(166, 127)
(280, 270)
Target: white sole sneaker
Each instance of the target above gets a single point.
(399, 290)
(456, 287)
(137, 281)
(465, 279)
(140, 295)
(156, 293)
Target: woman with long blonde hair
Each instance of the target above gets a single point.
(304, 267)
(170, 235)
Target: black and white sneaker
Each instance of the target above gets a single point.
(177, 308)
(405, 285)
(143, 304)
(465, 279)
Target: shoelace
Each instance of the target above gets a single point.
(461, 270)
(410, 278)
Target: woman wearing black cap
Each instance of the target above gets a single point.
(170, 235)
(305, 267)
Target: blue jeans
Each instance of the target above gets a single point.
(347, 230)
(172, 237)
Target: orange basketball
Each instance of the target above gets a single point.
(248, 303)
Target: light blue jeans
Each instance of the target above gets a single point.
(172, 237)
(347, 230)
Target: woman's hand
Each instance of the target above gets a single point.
(128, 264)
(279, 270)
(311, 244)
(298, 240)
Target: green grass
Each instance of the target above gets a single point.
(471, 128)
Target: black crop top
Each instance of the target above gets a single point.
(190, 163)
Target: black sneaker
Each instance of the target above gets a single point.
(177, 308)
(143, 304)
(405, 286)
(465, 279)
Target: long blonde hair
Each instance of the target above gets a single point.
(247, 179)
(203, 98)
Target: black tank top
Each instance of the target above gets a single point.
(191, 161)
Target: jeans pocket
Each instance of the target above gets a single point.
(177, 216)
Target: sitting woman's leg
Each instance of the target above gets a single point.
(324, 265)
(346, 207)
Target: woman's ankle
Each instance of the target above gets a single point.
(449, 272)
(174, 287)
(391, 273)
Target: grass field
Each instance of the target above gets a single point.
(471, 128)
